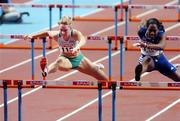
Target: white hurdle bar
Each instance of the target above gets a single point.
(82, 84)
(93, 84)
(154, 6)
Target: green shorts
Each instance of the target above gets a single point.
(76, 60)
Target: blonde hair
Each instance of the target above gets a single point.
(66, 20)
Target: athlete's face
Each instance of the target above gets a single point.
(152, 30)
(64, 29)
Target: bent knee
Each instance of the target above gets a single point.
(176, 77)
(173, 75)
(148, 60)
(59, 61)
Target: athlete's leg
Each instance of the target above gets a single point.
(167, 69)
(91, 69)
(175, 76)
(146, 64)
(62, 64)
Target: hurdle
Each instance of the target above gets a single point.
(109, 38)
(73, 6)
(147, 7)
(88, 38)
(32, 84)
(129, 47)
(78, 18)
(49, 6)
(59, 6)
(119, 6)
(44, 40)
(83, 84)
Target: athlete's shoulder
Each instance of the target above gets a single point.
(141, 32)
(76, 34)
(142, 29)
(161, 33)
(75, 31)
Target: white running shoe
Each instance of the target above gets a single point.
(100, 66)
(176, 65)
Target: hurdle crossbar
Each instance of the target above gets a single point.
(154, 6)
(136, 38)
(83, 84)
(73, 7)
(56, 5)
(115, 7)
(88, 38)
(19, 38)
(167, 7)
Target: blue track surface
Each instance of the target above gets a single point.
(39, 17)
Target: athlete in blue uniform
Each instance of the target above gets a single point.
(152, 58)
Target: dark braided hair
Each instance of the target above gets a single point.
(155, 21)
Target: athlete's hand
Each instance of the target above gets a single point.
(75, 50)
(140, 44)
(28, 37)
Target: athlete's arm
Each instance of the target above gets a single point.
(79, 37)
(43, 34)
(39, 35)
(53, 34)
(159, 46)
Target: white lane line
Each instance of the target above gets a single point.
(93, 34)
(84, 15)
(108, 93)
(83, 107)
(154, 10)
(29, 60)
(25, 62)
(103, 96)
(163, 110)
(173, 26)
(59, 78)
(34, 90)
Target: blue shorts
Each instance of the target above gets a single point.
(162, 64)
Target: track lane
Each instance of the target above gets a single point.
(92, 56)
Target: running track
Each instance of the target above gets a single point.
(81, 105)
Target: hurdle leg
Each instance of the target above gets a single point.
(50, 24)
(19, 100)
(116, 27)
(114, 101)
(32, 59)
(5, 100)
(44, 51)
(110, 58)
(99, 101)
(121, 58)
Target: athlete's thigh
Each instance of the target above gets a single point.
(63, 63)
(164, 66)
(147, 62)
(86, 65)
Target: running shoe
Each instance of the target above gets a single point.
(43, 65)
